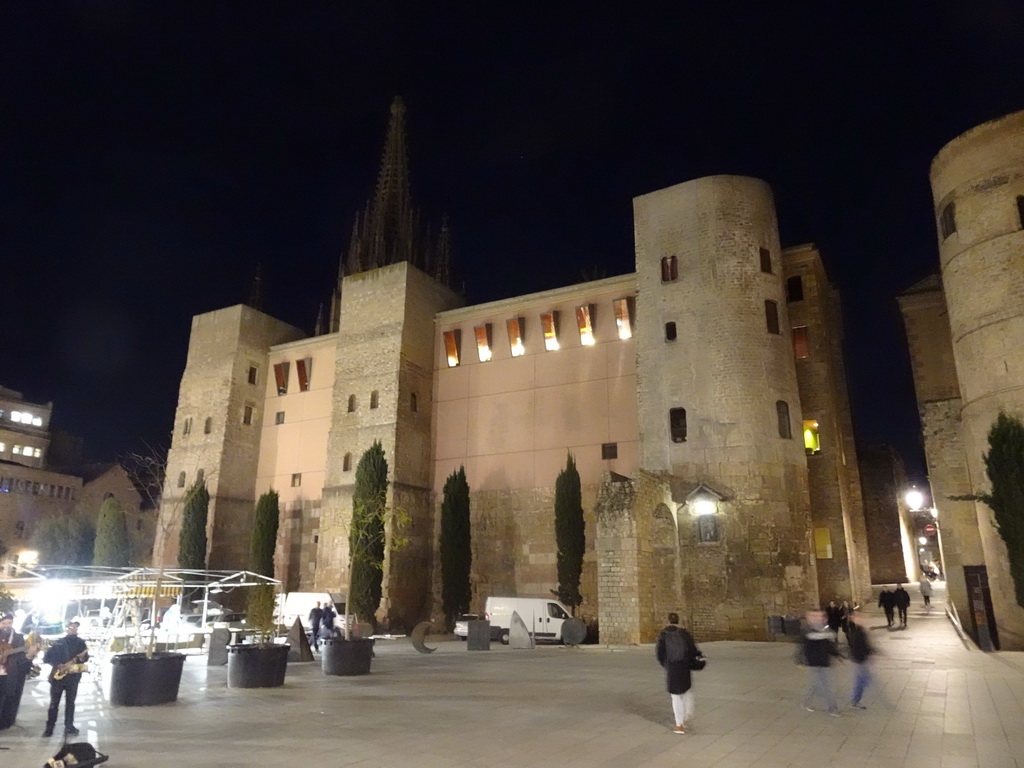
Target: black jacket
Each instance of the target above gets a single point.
(901, 598)
(819, 648)
(63, 651)
(677, 673)
(886, 599)
(860, 647)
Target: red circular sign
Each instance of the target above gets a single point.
(929, 529)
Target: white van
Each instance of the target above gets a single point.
(543, 617)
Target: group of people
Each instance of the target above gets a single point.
(321, 621)
(898, 600)
(65, 657)
(819, 646)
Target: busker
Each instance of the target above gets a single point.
(14, 667)
(678, 654)
(817, 652)
(64, 656)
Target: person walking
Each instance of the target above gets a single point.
(62, 656)
(327, 621)
(834, 619)
(315, 616)
(14, 667)
(887, 602)
(845, 611)
(926, 591)
(902, 600)
(817, 652)
(860, 650)
(675, 652)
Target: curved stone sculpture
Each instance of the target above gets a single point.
(518, 635)
(419, 632)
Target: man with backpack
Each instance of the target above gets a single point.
(678, 654)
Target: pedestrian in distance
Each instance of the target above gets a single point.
(834, 618)
(902, 599)
(327, 621)
(315, 615)
(887, 602)
(64, 656)
(817, 650)
(678, 654)
(926, 591)
(845, 611)
(860, 651)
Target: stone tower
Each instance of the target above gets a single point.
(978, 189)
(217, 430)
(719, 407)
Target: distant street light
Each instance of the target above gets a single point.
(922, 539)
(914, 499)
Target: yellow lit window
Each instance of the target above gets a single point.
(515, 336)
(3, 447)
(17, 450)
(549, 324)
(483, 341)
(812, 441)
(622, 322)
(822, 544)
(451, 347)
(585, 326)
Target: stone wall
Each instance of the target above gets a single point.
(884, 480)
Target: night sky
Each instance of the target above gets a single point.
(153, 153)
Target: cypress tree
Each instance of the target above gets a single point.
(366, 537)
(192, 541)
(65, 540)
(570, 538)
(112, 546)
(455, 547)
(264, 534)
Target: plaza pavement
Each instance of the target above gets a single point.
(935, 704)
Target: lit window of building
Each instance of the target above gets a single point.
(515, 336)
(483, 341)
(549, 325)
(812, 441)
(622, 321)
(16, 416)
(3, 447)
(585, 325)
(451, 347)
(17, 450)
(37, 421)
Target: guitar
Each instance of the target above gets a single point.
(7, 650)
(72, 667)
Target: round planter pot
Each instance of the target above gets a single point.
(347, 657)
(140, 682)
(257, 666)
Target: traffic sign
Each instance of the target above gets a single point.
(929, 529)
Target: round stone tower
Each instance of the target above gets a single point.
(978, 188)
(719, 408)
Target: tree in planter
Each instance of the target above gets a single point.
(192, 542)
(64, 540)
(260, 600)
(455, 547)
(367, 535)
(1004, 465)
(112, 547)
(570, 538)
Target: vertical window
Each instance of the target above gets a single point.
(623, 323)
(1020, 218)
(766, 260)
(351, 403)
(549, 325)
(186, 428)
(677, 424)
(296, 479)
(670, 331)
(374, 399)
(801, 349)
(822, 544)
(414, 402)
(247, 414)
(346, 463)
(795, 288)
(451, 347)
(947, 220)
(669, 269)
(304, 368)
(707, 529)
(279, 417)
(281, 377)
(208, 425)
(200, 476)
(609, 451)
(771, 316)
(812, 441)
(585, 325)
(253, 374)
(483, 341)
(782, 414)
(181, 479)
(515, 336)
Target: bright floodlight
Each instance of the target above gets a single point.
(704, 507)
(914, 499)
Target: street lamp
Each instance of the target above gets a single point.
(703, 500)
(914, 499)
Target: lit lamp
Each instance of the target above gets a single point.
(914, 499)
(703, 500)
(922, 539)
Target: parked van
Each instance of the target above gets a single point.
(543, 617)
(297, 605)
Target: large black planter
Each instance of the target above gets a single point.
(257, 666)
(140, 682)
(347, 657)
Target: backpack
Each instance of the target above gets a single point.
(675, 646)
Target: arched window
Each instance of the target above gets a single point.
(181, 479)
(208, 425)
(346, 463)
(351, 403)
(373, 399)
(782, 413)
(670, 331)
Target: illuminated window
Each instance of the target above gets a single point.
(281, 377)
(17, 450)
(3, 447)
(374, 399)
(947, 220)
(677, 424)
(609, 451)
(822, 544)
(795, 288)
(247, 414)
(766, 260)
(483, 341)
(669, 269)
(253, 374)
(16, 416)
(304, 368)
(346, 463)
(549, 325)
(208, 426)
(181, 479)
(296, 479)
(515, 336)
(812, 441)
(585, 325)
(37, 421)
(771, 316)
(782, 413)
(351, 403)
(622, 321)
(670, 331)
(451, 347)
(800, 346)
(279, 417)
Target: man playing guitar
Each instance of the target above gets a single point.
(13, 668)
(64, 656)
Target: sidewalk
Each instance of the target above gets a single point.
(934, 704)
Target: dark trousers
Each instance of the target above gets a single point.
(903, 616)
(68, 687)
(888, 614)
(927, 599)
